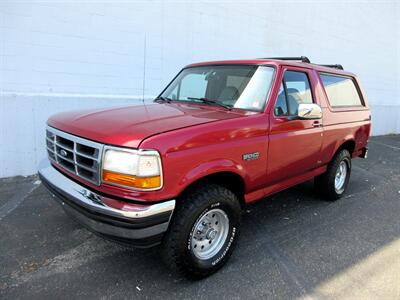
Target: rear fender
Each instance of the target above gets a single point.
(347, 138)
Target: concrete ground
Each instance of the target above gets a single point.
(293, 245)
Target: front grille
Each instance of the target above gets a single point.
(74, 154)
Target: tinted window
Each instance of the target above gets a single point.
(298, 91)
(341, 91)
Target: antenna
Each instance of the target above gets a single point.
(144, 67)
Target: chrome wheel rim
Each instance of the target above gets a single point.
(340, 178)
(209, 234)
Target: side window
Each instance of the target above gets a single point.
(280, 105)
(298, 91)
(341, 91)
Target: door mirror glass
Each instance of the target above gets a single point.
(309, 111)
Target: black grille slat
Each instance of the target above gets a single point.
(85, 173)
(77, 155)
(49, 135)
(65, 158)
(88, 151)
(67, 144)
(66, 164)
(51, 154)
(87, 162)
(50, 145)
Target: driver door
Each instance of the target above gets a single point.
(294, 144)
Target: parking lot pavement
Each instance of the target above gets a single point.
(293, 245)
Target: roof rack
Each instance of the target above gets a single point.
(336, 66)
(301, 58)
(305, 59)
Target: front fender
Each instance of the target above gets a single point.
(212, 167)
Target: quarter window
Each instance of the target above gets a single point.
(295, 89)
(341, 91)
(281, 104)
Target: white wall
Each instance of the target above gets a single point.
(60, 55)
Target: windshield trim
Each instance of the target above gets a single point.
(262, 109)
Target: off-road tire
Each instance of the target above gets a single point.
(176, 247)
(325, 183)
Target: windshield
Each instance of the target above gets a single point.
(235, 86)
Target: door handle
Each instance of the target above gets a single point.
(316, 124)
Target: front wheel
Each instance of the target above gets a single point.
(333, 183)
(203, 231)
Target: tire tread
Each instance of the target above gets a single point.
(173, 240)
(324, 183)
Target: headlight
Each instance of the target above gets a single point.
(132, 168)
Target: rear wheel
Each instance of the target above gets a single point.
(203, 231)
(333, 183)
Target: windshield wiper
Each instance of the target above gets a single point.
(163, 99)
(209, 101)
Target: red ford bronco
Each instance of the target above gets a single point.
(222, 134)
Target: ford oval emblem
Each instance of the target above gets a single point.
(63, 153)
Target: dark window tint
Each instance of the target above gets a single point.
(341, 91)
(298, 91)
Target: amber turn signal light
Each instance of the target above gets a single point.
(132, 181)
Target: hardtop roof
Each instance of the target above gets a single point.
(274, 62)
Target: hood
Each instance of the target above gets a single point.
(128, 126)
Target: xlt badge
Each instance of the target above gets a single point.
(251, 156)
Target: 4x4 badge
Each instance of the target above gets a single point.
(251, 156)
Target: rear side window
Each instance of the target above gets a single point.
(341, 91)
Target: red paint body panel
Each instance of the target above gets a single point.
(198, 140)
(128, 126)
(194, 152)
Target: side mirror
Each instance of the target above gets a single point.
(309, 111)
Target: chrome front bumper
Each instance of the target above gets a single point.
(141, 225)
